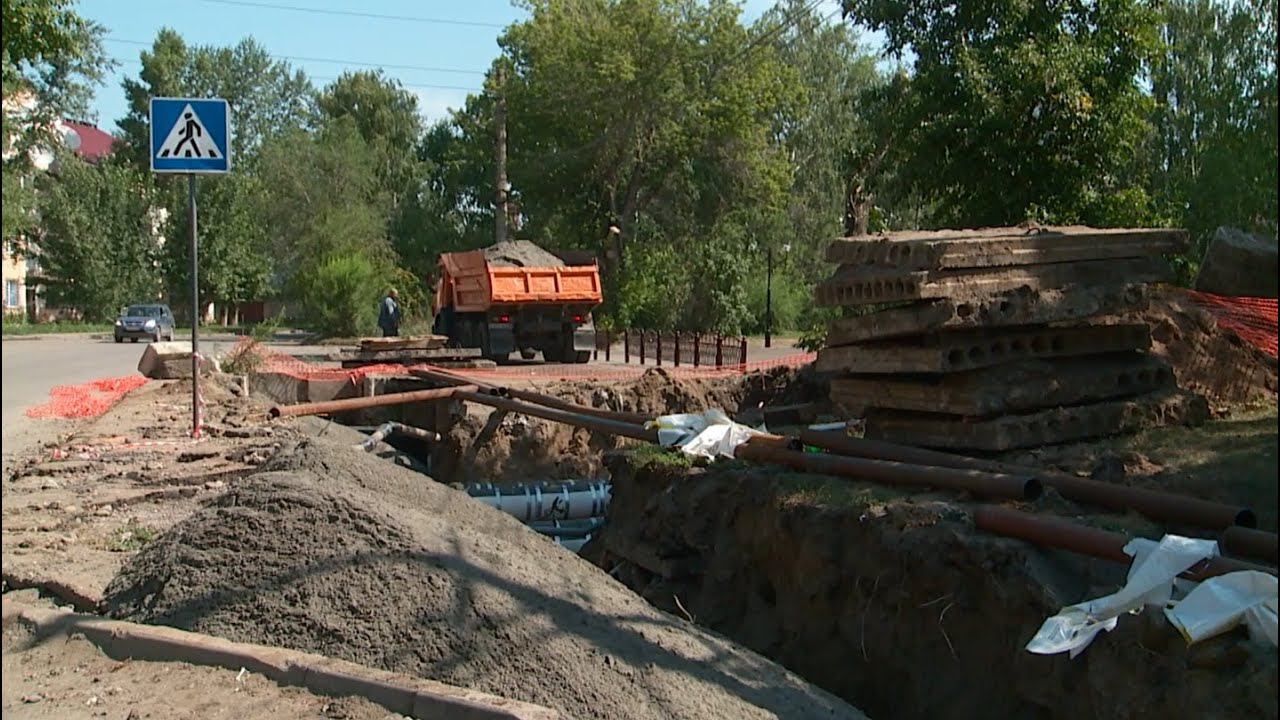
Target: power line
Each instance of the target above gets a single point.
(330, 78)
(354, 13)
(335, 61)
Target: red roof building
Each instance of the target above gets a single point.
(94, 143)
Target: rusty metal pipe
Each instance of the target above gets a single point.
(1160, 506)
(888, 472)
(1066, 535)
(1246, 542)
(598, 424)
(360, 403)
(447, 378)
(557, 403)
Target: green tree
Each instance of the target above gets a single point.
(1215, 85)
(53, 56)
(97, 252)
(1018, 108)
(325, 211)
(655, 117)
(266, 95)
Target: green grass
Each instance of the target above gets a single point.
(130, 538)
(828, 492)
(24, 328)
(647, 456)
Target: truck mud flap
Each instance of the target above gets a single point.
(502, 340)
(584, 339)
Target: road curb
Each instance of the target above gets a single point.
(403, 694)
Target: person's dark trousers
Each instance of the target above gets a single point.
(390, 332)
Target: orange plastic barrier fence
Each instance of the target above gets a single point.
(86, 400)
(1253, 319)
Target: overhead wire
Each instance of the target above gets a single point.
(354, 13)
(336, 61)
(331, 78)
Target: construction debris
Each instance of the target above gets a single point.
(170, 360)
(999, 345)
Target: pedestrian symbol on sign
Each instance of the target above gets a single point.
(188, 138)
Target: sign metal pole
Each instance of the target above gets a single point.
(195, 307)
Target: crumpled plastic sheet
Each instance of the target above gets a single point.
(1151, 582)
(1221, 603)
(708, 434)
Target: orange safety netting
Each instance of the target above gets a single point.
(86, 400)
(1252, 318)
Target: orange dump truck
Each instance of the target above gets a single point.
(502, 309)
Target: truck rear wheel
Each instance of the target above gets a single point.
(582, 356)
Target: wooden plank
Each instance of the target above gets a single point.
(422, 342)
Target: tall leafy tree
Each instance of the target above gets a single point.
(1215, 85)
(1023, 108)
(50, 57)
(97, 252)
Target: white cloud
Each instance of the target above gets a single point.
(436, 104)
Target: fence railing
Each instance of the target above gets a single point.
(675, 348)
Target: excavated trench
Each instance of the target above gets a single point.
(892, 602)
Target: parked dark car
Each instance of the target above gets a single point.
(154, 322)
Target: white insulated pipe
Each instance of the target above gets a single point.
(559, 501)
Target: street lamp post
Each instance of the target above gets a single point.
(768, 294)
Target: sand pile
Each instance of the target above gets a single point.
(329, 550)
(520, 253)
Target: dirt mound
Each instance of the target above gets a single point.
(520, 253)
(488, 446)
(899, 606)
(1206, 358)
(331, 551)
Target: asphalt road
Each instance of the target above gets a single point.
(34, 365)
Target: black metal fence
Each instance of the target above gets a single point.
(674, 348)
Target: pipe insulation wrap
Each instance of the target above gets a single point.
(529, 503)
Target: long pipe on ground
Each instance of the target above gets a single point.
(448, 378)
(1164, 507)
(395, 428)
(361, 403)
(597, 424)
(1018, 487)
(1066, 535)
(585, 527)
(557, 403)
(1247, 542)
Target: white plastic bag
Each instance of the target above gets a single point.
(709, 434)
(1150, 582)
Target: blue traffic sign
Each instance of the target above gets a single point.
(190, 135)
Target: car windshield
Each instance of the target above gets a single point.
(144, 311)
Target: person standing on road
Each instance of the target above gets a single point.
(389, 314)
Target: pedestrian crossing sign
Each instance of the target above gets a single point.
(190, 135)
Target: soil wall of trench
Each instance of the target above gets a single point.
(898, 605)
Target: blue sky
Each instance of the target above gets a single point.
(131, 25)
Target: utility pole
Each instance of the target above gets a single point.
(768, 298)
(500, 161)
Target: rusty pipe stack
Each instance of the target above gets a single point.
(1063, 534)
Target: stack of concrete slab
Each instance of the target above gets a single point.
(999, 338)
